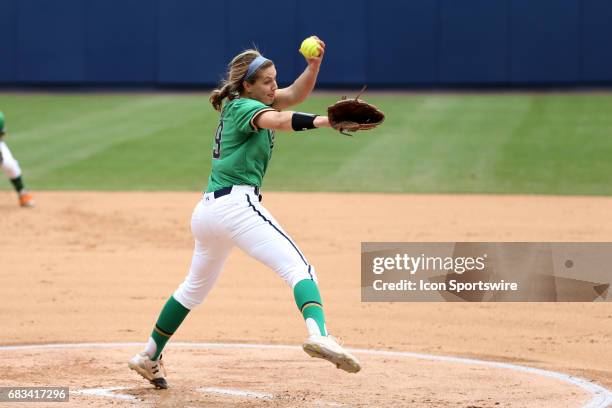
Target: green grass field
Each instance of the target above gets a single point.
(508, 143)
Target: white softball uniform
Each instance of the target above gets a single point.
(9, 165)
(237, 219)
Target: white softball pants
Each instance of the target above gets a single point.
(9, 165)
(237, 219)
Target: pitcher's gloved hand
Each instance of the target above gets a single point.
(351, 115)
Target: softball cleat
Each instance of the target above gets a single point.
(26, 200)
(327, 348)
(153, 371)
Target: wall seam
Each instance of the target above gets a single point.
(16, 56)
(510, 52)
(581, 76)
(437, 40)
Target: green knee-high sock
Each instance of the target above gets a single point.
(170, 318)
(308, 300)
(18, 184)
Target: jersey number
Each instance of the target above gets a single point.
(217, 148)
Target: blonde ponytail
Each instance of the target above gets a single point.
(218, 95)
(232, 87)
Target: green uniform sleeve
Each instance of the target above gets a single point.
(245, 110)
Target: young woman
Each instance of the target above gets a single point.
(230, 213)
(11, 169)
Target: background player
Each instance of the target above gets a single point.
(11, 168)
(230, 213)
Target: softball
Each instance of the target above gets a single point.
(310, 47)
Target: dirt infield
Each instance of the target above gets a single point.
(97, 267)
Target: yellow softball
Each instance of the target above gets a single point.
(310, 47)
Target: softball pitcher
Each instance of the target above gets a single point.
(11, 168)
(230, 213)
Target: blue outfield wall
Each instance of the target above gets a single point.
(401, 42)
(545, 49)
(378, 42)
(50, 41)
(121, 41)
(8, 42)
(473, 41)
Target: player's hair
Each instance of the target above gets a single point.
(232, 87)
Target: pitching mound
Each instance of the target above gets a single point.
(280, 376)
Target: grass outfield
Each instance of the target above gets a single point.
(511, 143)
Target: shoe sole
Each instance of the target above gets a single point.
(159, 383)
(343, 361)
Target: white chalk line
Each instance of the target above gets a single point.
(237, 393)
(601, 396)
(106, 392)
(232, 392)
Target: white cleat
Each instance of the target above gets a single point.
(153, 371)
(327, 348)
